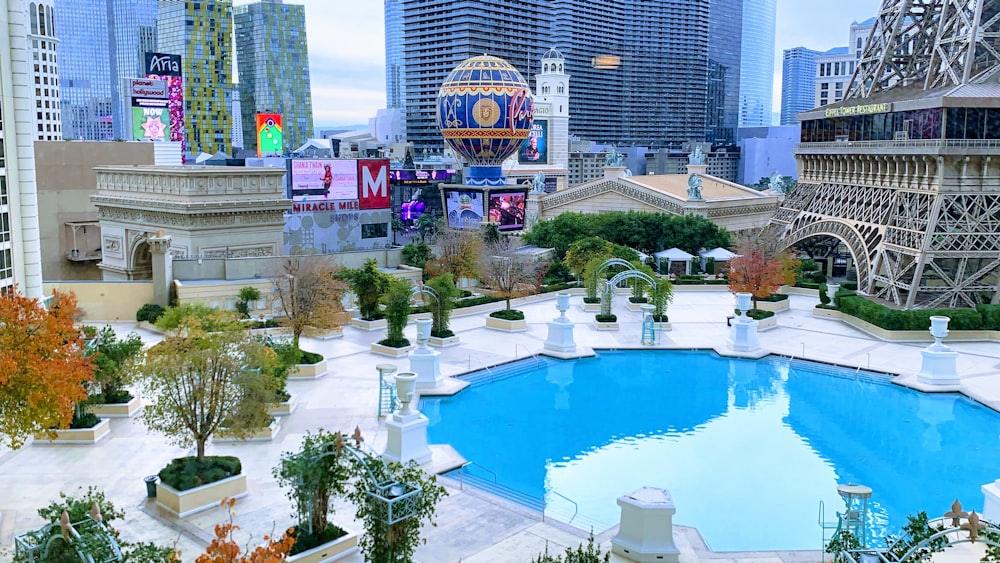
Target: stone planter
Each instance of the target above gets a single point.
(282, 409)
(307, 371)
(369, 326)
(662, 326)
(590, 307)
(767, 323)
(223, 436)
(605, 326)
(331, 551)
(118, 410)
(443, 342)
(390, 351)
(505, 325)
(637, 307)
(323, 333)
(90, 435)
(827, 313)
(773, 306)
(182, 504)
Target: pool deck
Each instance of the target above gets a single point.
(473, 526)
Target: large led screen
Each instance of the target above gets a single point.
(150, 120)
(536, 148)
(464, 208)
(507, 210)
(317, 180)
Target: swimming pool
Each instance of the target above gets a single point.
(747, 448)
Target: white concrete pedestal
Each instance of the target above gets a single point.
(939, 365)
(991, 506)
(743, 335)
(426, 363)
(407, 438)
(560, 337)
(646, 532)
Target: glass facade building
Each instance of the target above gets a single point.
(724, 53)
(395, 79)
(101, 42)
(657, 94)
(200, 32)
(273, 61)
(757, 62)
(798, 83)
(42, 41)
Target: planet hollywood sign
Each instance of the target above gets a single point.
(147, 88)
(521, 107)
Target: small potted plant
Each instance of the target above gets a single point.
(397, 313)
(442, 304)
(113, 357)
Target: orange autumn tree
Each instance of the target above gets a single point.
(760, 269)
(225, 549)
(43, 370)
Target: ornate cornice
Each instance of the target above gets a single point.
(573, 195)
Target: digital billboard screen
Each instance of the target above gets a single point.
(324, 179)
(411, 177)
(536, 148)
(150, 120)
(464, 208)
(270, 140)
(506, 209)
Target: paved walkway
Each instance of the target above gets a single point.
(474, 527)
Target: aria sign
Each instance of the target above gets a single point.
(162, 64)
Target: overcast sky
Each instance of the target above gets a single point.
(347, 49)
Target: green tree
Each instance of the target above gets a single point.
(176, 316)
(198, 379)
(368, 284)
(244, 298)
(559, 232)
(661, 295)
(113, 358)
(428, 227)
(397, 311)
(416, 254)
(446, 292)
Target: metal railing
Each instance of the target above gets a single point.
(482, 365)
(576, 507)
(518, 345)
(914, 143)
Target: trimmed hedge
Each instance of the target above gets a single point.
(774, 298)
(606, 318)
(558, 287)
(508, 315)
(150, 312)
(807, 285)
(311, 357)
(185, 473)
(983, 317)
(756, 314)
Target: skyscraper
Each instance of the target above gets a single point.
(640, 67)
(757, 62)
(798, 83)
(42, 41)
(200, 33)
(724, 53)
(101, 42)
(395, 81)
(273, 61)
(20, 254)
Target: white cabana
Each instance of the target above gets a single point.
(674, 255)
(717, 255)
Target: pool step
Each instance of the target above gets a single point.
(506, 371)
(487, 484)
(817, 368)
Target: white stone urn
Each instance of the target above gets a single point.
(562, 305)
(406, 386)
(423, 331)
(832, 289)
(743, 303)
(939, 330)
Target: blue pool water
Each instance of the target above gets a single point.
(747, 448)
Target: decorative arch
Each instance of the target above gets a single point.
(846, 234)
(545, 67)
(41, 20)
(561, 89)
(139, 261)
(33, 12)
(609, 287)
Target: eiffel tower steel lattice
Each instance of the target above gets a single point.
(906, 170)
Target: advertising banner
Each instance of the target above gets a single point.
(536, 148)
(464, 208)
(150, 120)
(373, 184)
(270, 141)
(323, 179)
(507, 209)
(162, 66)
(421, 177)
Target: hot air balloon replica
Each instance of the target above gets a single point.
(484, 112)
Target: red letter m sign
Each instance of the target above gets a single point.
(373, 179)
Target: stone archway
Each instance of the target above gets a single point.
(140, 260)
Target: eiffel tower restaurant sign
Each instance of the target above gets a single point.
(860, 109)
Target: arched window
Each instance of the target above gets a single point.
(41, 19)
(561, 89)
(545, 67)
(560, 67)
(34, 18)
(52, 21)
(545, 89)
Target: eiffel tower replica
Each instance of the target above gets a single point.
(905, 171)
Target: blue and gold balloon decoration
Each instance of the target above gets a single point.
(484, 111)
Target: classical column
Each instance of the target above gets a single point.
(163, 267)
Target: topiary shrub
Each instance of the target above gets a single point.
(606, 318)
(150, 312)
(185, 473)
(311, 357)
(990, 315)
(823, 297)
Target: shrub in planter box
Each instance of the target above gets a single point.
(756, 314)
(606, 318)
(185, 473)
(397, 312)
(508, 315)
